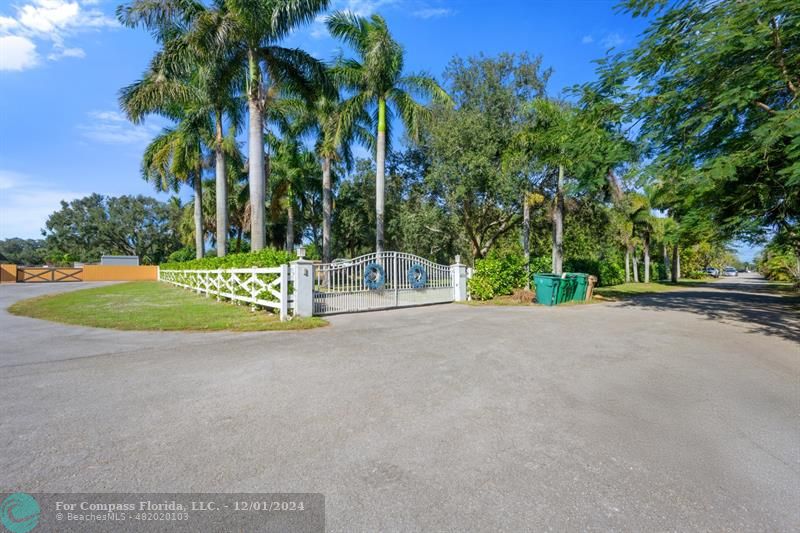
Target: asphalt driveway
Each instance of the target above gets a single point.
(676, 411)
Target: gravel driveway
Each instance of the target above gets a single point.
(676, 411)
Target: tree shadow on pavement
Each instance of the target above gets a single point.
(759, 311)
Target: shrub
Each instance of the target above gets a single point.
(610, 273)
(783, 266)
(480, 288)
(268, 257)
(496, 275)
(541, 264)
(184, 254)
(587, 266)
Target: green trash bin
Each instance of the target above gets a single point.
(566, 289)
(547, 288)
(581, 281)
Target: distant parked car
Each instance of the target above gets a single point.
(730, 272)
(713, 272)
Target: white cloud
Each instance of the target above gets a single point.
(26, 203)
(7, 24)
(59, 52)
(48, 15)
(587, 39)
(433, 12)
(612, 40)
(111, 127)
(17, 53)
(362, 8)
(52, 21)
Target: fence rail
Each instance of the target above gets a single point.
(48, 274)
(263, 287)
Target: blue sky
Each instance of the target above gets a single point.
(62, 63)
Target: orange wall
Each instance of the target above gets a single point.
(119, 273)
(8, 273)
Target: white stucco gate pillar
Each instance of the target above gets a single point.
(303, 280)
(458, 272)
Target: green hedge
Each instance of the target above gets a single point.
(496, 275)
(500, 273)
(266, 258)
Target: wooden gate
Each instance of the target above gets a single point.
(48, 274)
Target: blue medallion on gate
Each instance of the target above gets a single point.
(417, 276)
(374, 276)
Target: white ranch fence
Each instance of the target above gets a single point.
(381, 281)
(373, 281)
(263, 287)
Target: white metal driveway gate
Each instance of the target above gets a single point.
(380, 281)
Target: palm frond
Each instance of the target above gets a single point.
(348, 27)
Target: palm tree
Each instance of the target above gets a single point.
(245, 33)
(292, 173)
(641, 222)
(377, 82)
(251, 29)
(186, 73)
(335, 132)
(175, 157)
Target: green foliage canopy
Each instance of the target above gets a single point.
(86, 228)
(714, 89)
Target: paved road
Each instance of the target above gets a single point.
(676, 411)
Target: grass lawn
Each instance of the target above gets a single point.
(786, 288)
(625, 290)
(150, 305)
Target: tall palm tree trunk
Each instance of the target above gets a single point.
(526, 240)
(290, 222)
(380, 160)
(221, 190)
(558, 224)
(627, 263)
(676, 264)
(326, 210)
(666, 260)
(199, 242)
(635, 267)
(257, 179)
(646, 248)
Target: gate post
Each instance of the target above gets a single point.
(303, 279)
(458, 278)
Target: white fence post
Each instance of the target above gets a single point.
(303, 279)
(284, 310)
(458, 272)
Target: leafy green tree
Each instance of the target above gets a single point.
(335, 131)
(581, 147)
(714, 89)
(354, 216)
(86, 228)
(476, 165)
(23, 251)
(376, 78)
(293, 171)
